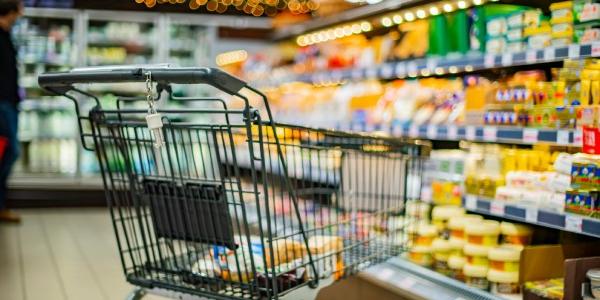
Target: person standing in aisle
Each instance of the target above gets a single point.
(10, 11)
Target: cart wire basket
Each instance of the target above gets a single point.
(218, 201)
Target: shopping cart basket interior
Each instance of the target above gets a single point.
(223, 202)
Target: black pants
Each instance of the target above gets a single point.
(9, 121)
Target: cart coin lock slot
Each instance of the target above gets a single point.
(193, 212)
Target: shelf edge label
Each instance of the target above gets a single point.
(471, 202)
(531, 214)
(549, 54)
(574, 51)
(573, 223)
(452, 132)
(530, 135)
(470, 133)
(531, 56)
(562, 137)
(595, 49)
(490, 134)
(507, 59)
(489, 60)
(497, 208)
(432, 131)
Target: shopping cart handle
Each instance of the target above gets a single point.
(211, 76)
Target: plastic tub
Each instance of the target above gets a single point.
(456, 264)
(515, 234)
(456, 227)
(441, 252)
(504, 283)
(421, 255)
(426, 233)
(505, 258)
(477, 255)
(476, 276)
(441, 214)
(483, 233)
(594, 276)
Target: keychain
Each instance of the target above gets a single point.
(153, 119)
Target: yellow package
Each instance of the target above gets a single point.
(585, 87)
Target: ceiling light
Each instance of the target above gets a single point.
(339, 32)
(448, 7)
(331, 34)
(355, 29)
(348, 30)
(453, 69)
(397, 19)
(387, 22)
(434, 10)
(409, 16)
(365, 26)
(322, 36)
(301, 41)
(421, 14)
(462, 4)
(477, 2)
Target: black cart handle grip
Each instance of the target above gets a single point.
(211, 76)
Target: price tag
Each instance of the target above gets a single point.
(431, 64)
(562, 137)
(531, 214)
(596, 49)
(387, 71)
(372, 72)
(432, 132)
(497, 208)
(573, 223)
(413, 131)
(356, 73)
(490, 134)
(470, 133)
(574, 51)
(336, 75)
(549, 54)
(400, 70)
(489, 60)
(507, 59)
(412, 68)
(531, 56)
(397, 130)
(452, 132)
(530, 135)
(471, 202)
(578, 137)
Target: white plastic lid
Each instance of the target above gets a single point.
(476, 250)
(440, 245)
(427, 230)
(459, 222)
(456, 243)
(456, 262)
(420, 249)
(508, 228)
(505, 253)
(502, 277)
(445, 212)
(475, 271)
(486, 227)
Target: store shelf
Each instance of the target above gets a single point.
(416, 282)
(500, 134)
(442, 66)
(533, 215)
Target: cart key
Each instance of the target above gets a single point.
(155, 125)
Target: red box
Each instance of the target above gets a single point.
(591, 140)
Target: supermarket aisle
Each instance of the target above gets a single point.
(61, 254)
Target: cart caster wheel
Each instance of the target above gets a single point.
(136, 294)
(313, 284)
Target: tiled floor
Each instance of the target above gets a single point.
(61, 254)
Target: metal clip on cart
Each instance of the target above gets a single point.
(221, 202)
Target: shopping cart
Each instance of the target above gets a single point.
(218, 201)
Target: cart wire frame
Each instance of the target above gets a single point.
(235, 206)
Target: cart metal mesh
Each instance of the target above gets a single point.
(237, 206)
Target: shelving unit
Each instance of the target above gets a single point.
(533, 215)
(437, 66)
(418, 282)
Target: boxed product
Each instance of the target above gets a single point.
(586, 10)
(562, 12)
